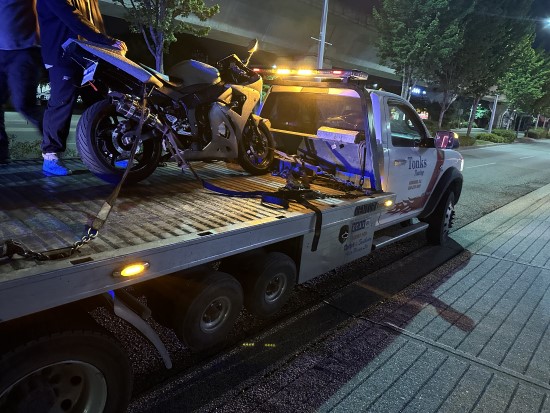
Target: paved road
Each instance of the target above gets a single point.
(498, 174)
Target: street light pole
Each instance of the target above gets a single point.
(322, 36)
(494, 111)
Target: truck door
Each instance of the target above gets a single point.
(412, 161)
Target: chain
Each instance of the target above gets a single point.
(12, 247)
(90, 235)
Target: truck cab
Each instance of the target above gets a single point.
(372, 138)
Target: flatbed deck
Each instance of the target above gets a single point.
(154, 221)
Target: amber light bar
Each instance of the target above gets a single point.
(323, 73)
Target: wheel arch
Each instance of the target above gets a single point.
(452, 179)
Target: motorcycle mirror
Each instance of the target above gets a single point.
(253, 46)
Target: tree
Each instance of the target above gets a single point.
(490, 39)
(523, 84)
(160, 20)
(412, 39)
(445, 71)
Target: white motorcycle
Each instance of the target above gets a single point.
(198, 112)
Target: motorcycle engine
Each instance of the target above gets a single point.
(179, 125)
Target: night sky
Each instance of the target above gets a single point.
(541, 11)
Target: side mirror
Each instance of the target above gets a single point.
(446, 139)
(252, 47)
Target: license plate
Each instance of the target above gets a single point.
(89, 73)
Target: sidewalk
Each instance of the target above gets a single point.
(472, 336)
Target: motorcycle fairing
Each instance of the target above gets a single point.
(114, 57)
(226, 146)
(192, 72)
(225, 134)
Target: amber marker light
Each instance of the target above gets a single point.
(388, 203)
(132, 270)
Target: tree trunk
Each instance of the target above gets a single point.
(405, 83)
(441, 114)
(448, 99)
(159, 60)
(443, 109)
(472, 114)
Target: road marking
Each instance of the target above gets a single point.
(477, 166)
(527, 157)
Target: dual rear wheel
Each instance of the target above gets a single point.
(202, 308)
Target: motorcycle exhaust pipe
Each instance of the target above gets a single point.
(131, 110)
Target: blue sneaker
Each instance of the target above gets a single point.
(55, 167)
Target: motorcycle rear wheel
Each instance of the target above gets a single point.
(256, 148)
(105, 152)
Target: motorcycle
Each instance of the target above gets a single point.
(195, 112)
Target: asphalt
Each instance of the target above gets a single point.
(471, 336)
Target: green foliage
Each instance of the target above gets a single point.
(431, 125)
(524, 82)
(506, 133)
(481, 112)
(490, 41)
(492, 137)
(414, 36)
(31, 149)
(160, 20)
(466, 140)
(538, 133)
(465, 123)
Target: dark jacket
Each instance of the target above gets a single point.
(18, 28)
(60, 20)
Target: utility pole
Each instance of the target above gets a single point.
(322, 36)
(493, 112)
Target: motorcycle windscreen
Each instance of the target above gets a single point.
(115, 57)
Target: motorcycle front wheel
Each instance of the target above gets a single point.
(104, 141)
(256, 148)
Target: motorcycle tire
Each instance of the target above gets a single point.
(101, 150)
(256, 148)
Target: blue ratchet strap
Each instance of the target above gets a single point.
(281, 198)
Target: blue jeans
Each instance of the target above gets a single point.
(19, 72)
(64, 83)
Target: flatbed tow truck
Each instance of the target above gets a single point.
(197, 256)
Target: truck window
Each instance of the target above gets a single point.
(406, 130)
(306, 112)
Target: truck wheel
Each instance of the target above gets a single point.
(267, 285)
(203, 318)
(104, 141)
(256, 148)
(72, 371)
(441, 221)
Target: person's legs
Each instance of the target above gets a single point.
(23, 75)
(57, 117)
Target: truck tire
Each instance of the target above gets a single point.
(256, 148)
(103, 151)
(268, 283)
(441, 220)
(204, 316)
(76, 371)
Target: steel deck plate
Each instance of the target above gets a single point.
(51, 212)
